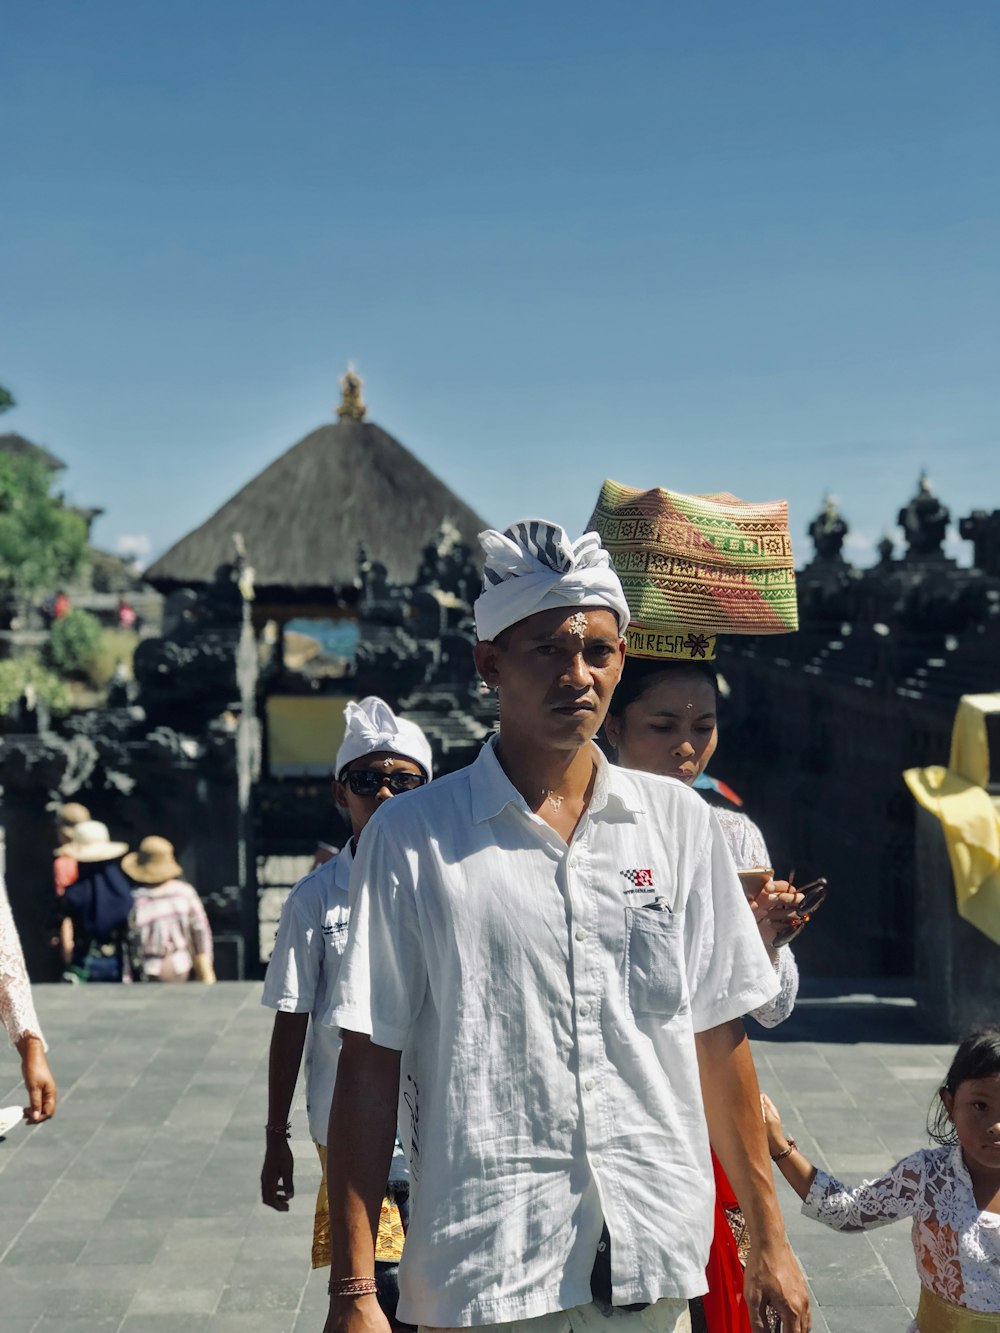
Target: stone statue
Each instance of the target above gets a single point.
(828, 530)
(352, 405)
(924, 522)
(983, 530)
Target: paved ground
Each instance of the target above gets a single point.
(136, 1209)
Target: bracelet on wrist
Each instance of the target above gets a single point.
(353, 1286)
(285, 1131)
(790, 1148)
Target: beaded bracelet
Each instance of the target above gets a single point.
(779, 1157)
(285, 1130)
(353, 1286)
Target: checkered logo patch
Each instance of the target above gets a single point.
(642, 879)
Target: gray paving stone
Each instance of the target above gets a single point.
(873, 1319)
(271, 1321)
(163, 1323)
(857, 1289)
(190, 1297)
(137, 1209)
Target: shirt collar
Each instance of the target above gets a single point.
(492, 790)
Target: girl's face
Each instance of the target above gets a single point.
(671, 729)
(975, 1112)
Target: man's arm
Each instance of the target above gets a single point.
(288, 1037)
(359, 1151)
(736, 1129)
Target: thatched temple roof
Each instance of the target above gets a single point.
(302, 518)
(19, 447)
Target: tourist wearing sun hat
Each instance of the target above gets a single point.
(64, 867)
(169, 919)
(96, 907)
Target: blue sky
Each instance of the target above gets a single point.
(706, 246)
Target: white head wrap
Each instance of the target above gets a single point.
(372, 726)
(534, 566)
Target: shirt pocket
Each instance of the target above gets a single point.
(654, 972)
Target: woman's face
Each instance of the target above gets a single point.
(671, 729)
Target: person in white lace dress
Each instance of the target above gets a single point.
(17, 1011)
(951, 1193)
(663, 720)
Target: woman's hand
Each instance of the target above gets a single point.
(38, 1080)
(773, 908)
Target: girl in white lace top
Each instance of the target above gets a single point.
(17, 1011)
(952, 1194)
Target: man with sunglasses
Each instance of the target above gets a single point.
(549, 959)
(381, 756)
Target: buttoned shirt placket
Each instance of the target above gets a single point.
(575, 879)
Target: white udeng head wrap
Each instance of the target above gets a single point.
(534, 566)
(372, 726)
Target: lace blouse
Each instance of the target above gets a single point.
(956, 1246)
(748, 848)
(17, 1009)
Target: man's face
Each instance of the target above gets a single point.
(360, 807)
(555, 672)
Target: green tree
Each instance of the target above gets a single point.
(20, 675)
(73, 643)
(6, 399)
(42, 543)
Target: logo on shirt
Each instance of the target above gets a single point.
(642, 879)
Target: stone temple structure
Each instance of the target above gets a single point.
(820, 725)
(344, 569)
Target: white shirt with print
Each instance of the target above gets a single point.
(545, 998)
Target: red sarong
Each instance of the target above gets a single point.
(725, 1308)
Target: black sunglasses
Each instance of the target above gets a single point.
(368, 781)
(815, 896)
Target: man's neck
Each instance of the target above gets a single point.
(556, 784)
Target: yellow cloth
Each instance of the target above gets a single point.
(388, 1243)
(969, 816)
(936, 1315)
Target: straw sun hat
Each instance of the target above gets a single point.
(154, 862)
(92, 842)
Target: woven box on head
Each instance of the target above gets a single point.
(695, 566)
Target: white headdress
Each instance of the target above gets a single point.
(534, 566)
(372, 726)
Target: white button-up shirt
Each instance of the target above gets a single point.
(303, 969)
(545, 998)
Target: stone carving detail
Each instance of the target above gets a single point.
(983, 530)
(828, 530)
(924, 522)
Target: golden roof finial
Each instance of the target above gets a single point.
(352, 406)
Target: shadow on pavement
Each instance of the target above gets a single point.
(850, 1010)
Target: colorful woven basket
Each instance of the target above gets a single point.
(694, 566)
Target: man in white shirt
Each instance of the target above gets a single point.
(560, 952)
(380, 756)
